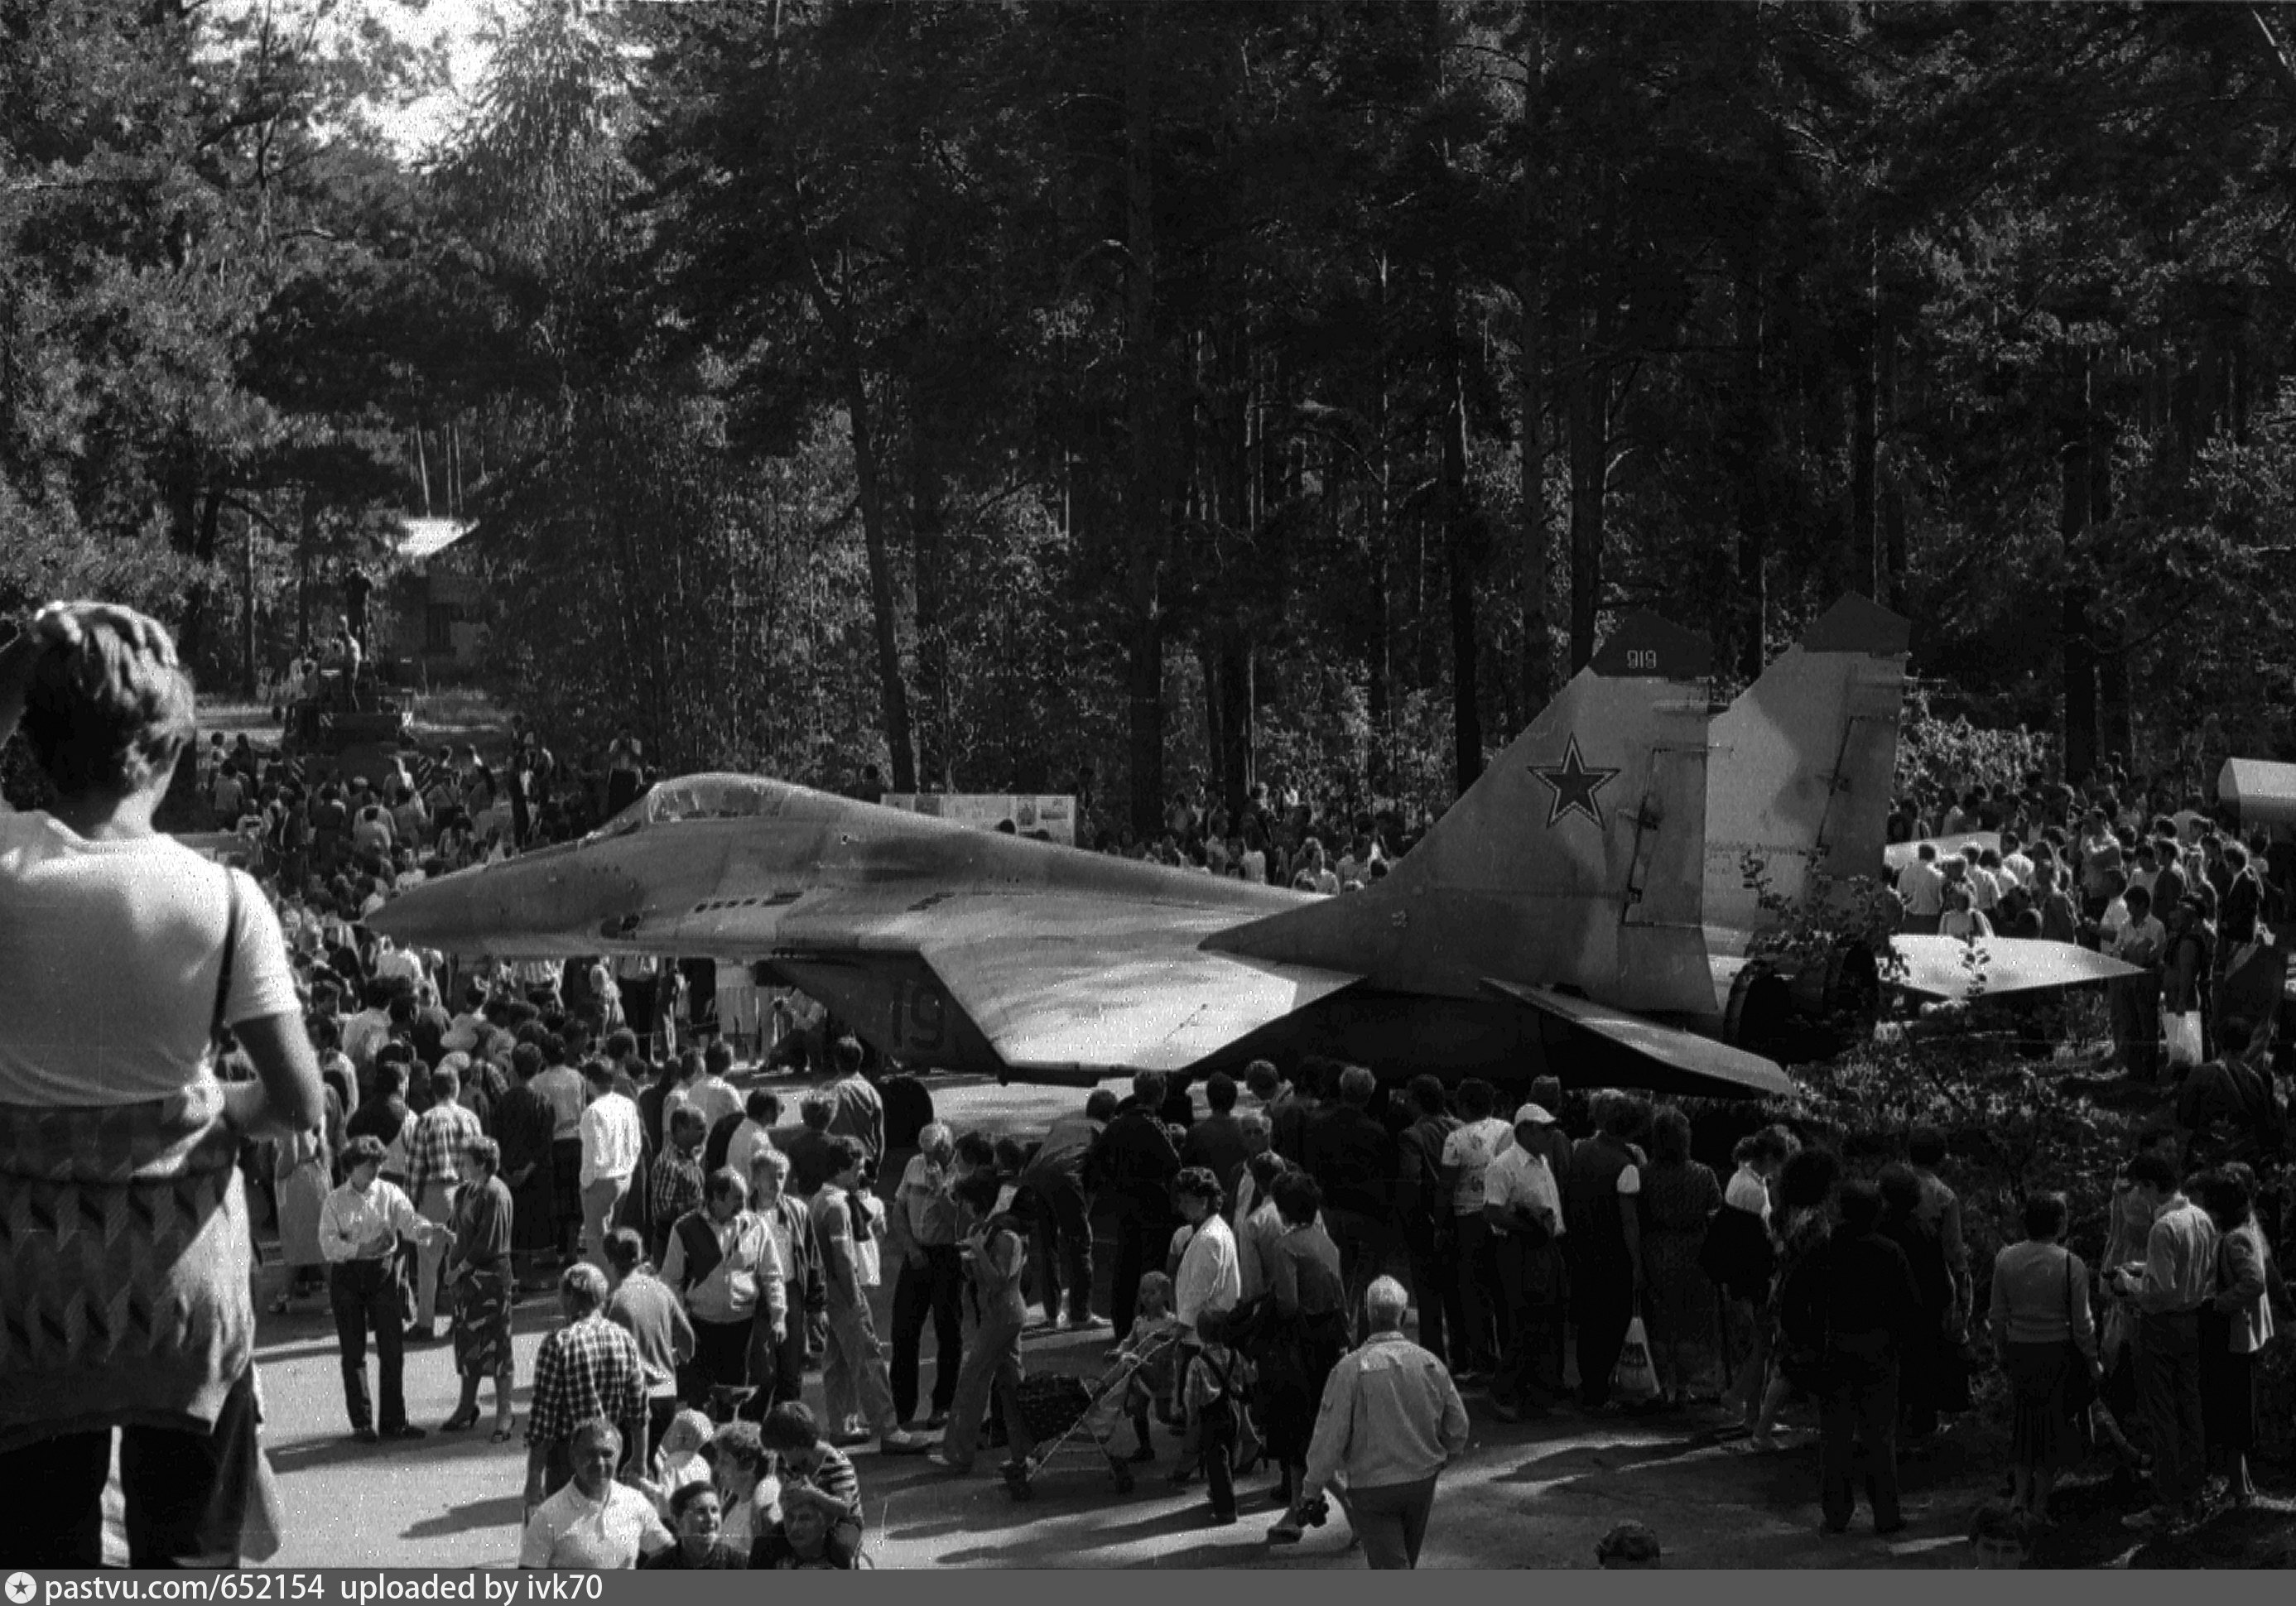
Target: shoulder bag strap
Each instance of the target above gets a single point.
(230, 954)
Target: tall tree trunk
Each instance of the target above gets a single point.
(249, 678)
(2117, 730)
(1861, 552)
(191, 636)
(1461, 553)
(1144, 498)
(1590, 470)
(2078, 648)
(1236, 718)
(1753, 454)
(1891, 589)
(1207, 667)
(928, 528)
(307, 539)
(884, 585)
(1537, 666)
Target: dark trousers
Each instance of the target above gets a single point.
(1602, 1301)
(2169, 1392)
(2135, 1006)
(1218, 1458)
(1064, 1245)
(661, 1410)
(1435, 1291)
(1141, 1242)
(778, 1369)
(1390, 1518)
(1359, 1237)
(1921, 1361)
(1483, 1306)
(721, 1359)
(1533, 1291)
(184, 1491)
(365, 1294)
(935, 1292)
(566, 1203)
(1858, 1409)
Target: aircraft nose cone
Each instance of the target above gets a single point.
(545, 903)
(431, 915)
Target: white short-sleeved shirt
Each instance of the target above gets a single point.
(110, 955)
(571, 1532)
(1923, 887)
(1469, 1151)
(1748, 1193)
(1524, 1179)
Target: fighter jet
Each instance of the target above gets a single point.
(1550, 920)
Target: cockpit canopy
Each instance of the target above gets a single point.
(710, 797)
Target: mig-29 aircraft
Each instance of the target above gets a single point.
(1570, 913)
(1550, 920)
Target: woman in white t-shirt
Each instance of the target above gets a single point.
(1467, 1155)
(113, 1113)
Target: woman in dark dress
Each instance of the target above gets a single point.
(523, 1125)
(479, 1276)
(2042, 1329)
(1805, 1219)
(1679, 1196)
(1308, 1335)
(1922, 1352)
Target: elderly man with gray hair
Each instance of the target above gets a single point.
(587, 1369)
(780, 1373)
(595, 1522)
(922, 1230)
(1390, 1421)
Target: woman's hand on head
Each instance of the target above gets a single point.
(67, 624)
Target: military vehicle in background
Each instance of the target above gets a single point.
(348, 724)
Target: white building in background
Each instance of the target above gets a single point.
(431, 613)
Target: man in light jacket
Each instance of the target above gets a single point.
(1391, 1419)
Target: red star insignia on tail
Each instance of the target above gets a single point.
(1575, 785)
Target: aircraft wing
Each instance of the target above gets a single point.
(1948, 967)
(1078, 985)
(1687, 1062)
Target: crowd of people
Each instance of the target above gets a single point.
(434, 1139)
(2187, 900)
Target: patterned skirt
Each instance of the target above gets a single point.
(483, 1302)
(125, 1259)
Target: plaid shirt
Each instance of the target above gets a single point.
(441, 1135)
(674, 1185)
(587, 1368)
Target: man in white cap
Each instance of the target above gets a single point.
(1522, 1205)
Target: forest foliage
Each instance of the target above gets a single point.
(1183, 393)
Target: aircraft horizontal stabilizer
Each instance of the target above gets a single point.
(1953, 967)
(1056, 1005)
(1679, 1061)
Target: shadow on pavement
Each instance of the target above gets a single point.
(504, 1511)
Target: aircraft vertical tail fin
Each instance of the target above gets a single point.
(1575, 860)
(1802, 763)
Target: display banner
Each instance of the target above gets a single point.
(1052, 816)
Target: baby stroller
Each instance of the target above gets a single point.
(1074, 1417)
